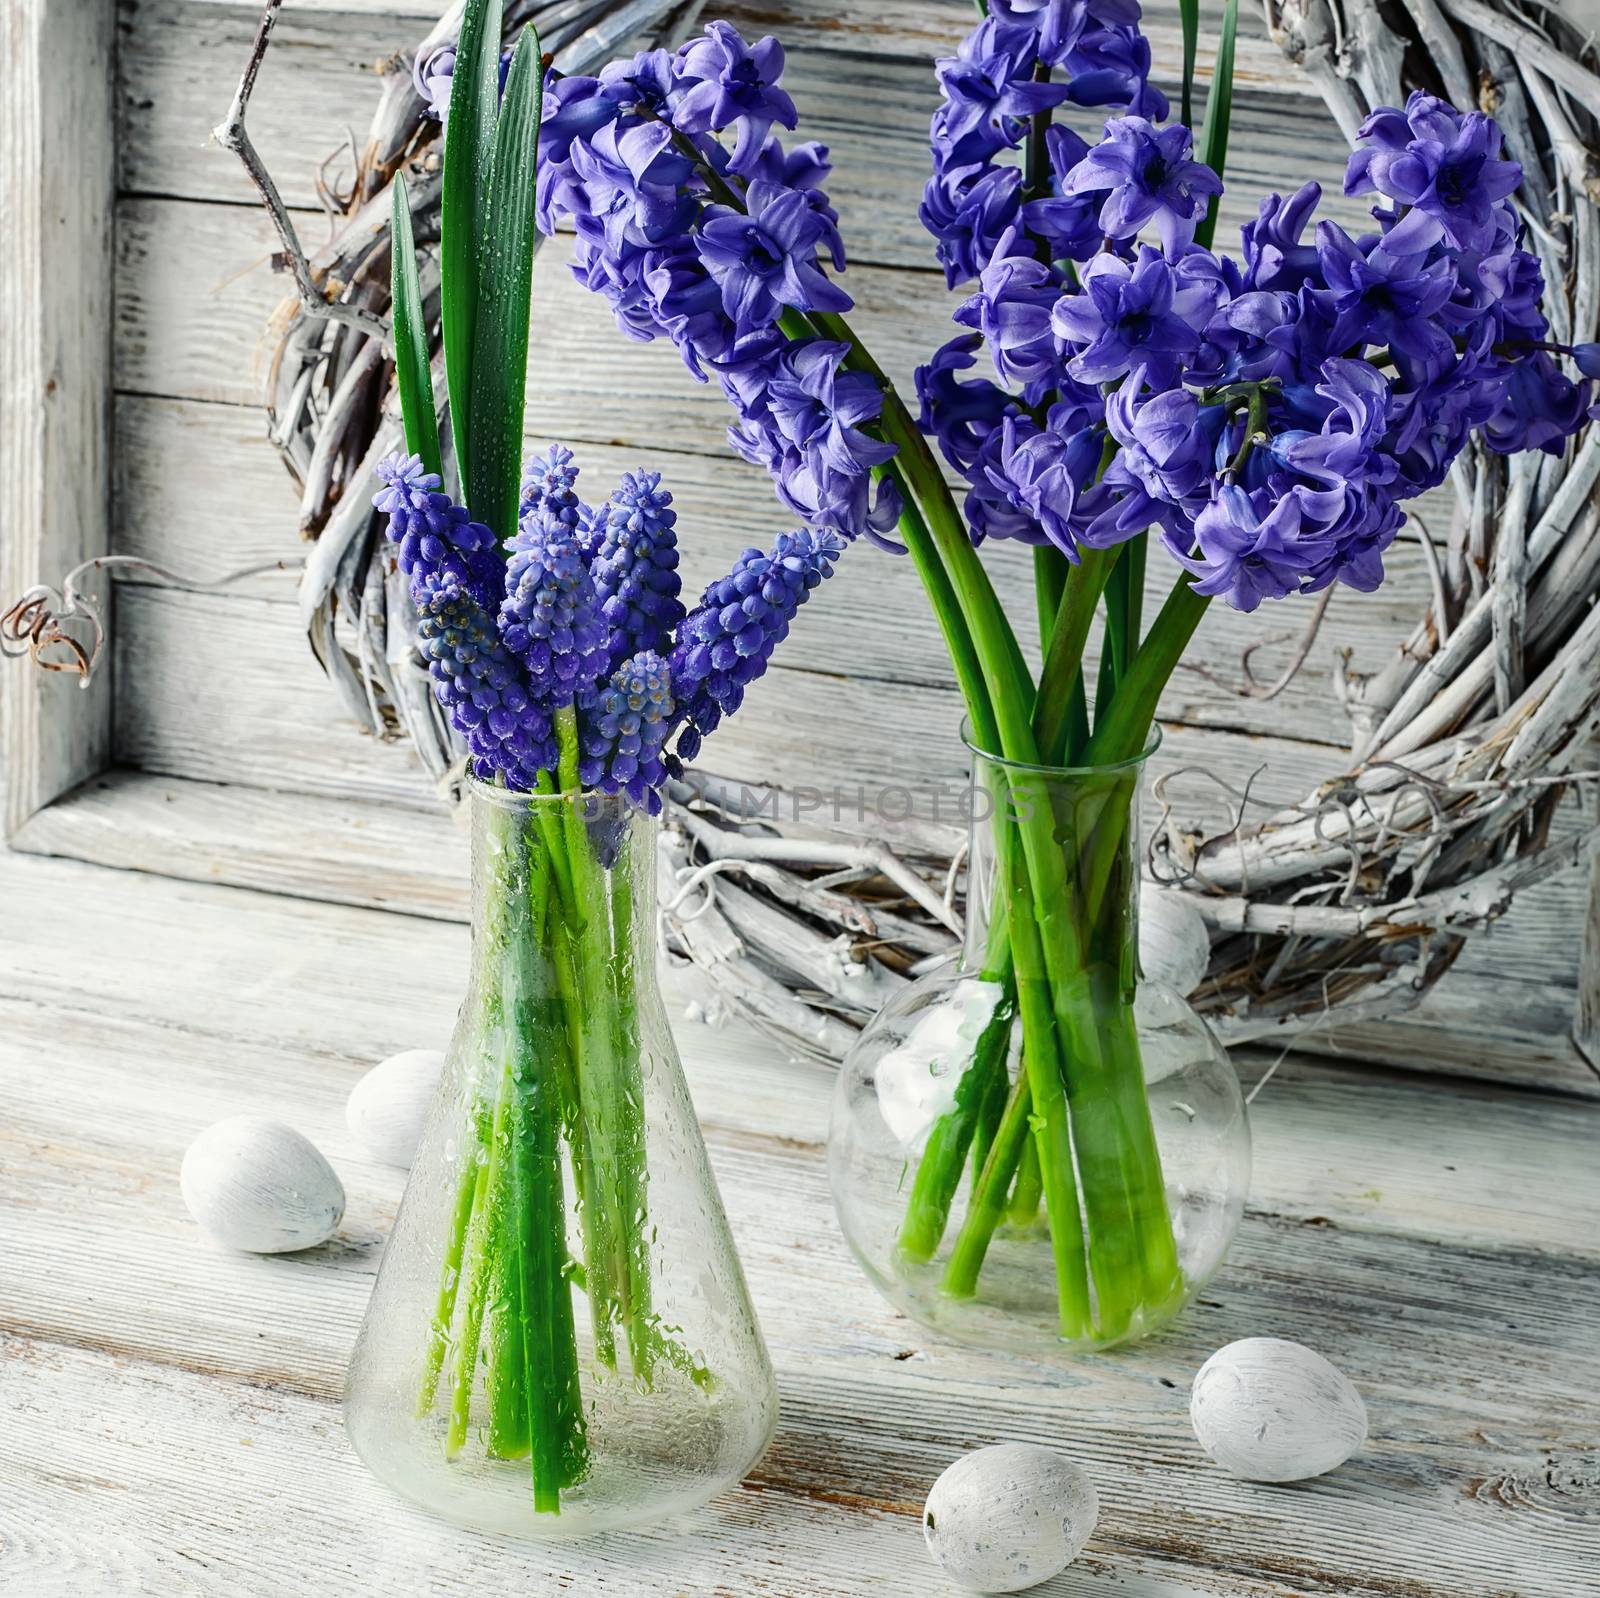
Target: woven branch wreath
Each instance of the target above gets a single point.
(1347, 906)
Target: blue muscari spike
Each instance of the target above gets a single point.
(431, 533)
(550, 617)
(726, 641)
(480, 684)
(635, 567)
(624, 731)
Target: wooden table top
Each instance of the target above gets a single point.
(171, 1418)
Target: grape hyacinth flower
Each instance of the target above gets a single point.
(432, 534)
(626, 730)
(726, 642)
(479, 684)
(550, 616)
(635, 567)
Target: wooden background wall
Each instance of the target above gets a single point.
(220, 689)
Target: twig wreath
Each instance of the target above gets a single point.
(1344, 907)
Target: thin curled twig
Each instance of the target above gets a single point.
(46, 619)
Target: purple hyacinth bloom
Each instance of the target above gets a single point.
(726, 83)
(649, 82)
(960, 414)
(431, 532)
(1587, 359)
(766, 258)
(1060, 24)
(1347, 450)
(1012, 311)
(726, 642)
(1043, 470)
(1274, 257)
(1067, 222)
(1381, 298)
(1127, 315)
(550, 616)
(1444, 165)
(479, 684)
(1110, 66)
(821, 409)
(623, 734)
(989, 92)
(433, 77)
(1150, 177)
(1542, 408)
(1251, 547)
(1168, 440)
(969, 210)
(635, 567)
(804, 169)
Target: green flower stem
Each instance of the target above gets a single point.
(1125, 728)
(461, 1214)
(944, 1156)
(487, 1220)
(1050, 572)
(986, 1208)
(1022, 1208)
(472, 1188)
(1053, 711)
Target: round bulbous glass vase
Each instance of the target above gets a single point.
(1031, 1148)
(560, 1340)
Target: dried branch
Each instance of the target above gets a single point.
(231, 134)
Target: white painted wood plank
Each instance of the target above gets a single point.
(926, 28)
(222, 689)
(179, 63)
(56, 132)
(125, 1315)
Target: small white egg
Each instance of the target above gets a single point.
(1174, 941)
(388, 1106)
(1008, 1517)
(1270, 1410)
(260, 1186)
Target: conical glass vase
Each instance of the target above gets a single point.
(560, 1340)
(1032, 1149)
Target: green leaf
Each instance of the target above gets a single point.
(500, 343)
(468, 153)
(1219, 112)
(1189, 13)
(412, 375)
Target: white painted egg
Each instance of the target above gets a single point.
(1174, 941)
(260, 1186)
(388, 1105)
(1008, 1517)
(1270, 1410)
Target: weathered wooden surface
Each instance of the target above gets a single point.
(172, 1410)
(56, 195)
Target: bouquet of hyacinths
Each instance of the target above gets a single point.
(1264, 416)
(560, 650)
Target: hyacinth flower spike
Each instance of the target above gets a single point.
(1116, 375)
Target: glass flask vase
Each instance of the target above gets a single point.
(1031, 1149)
(560, 1340)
